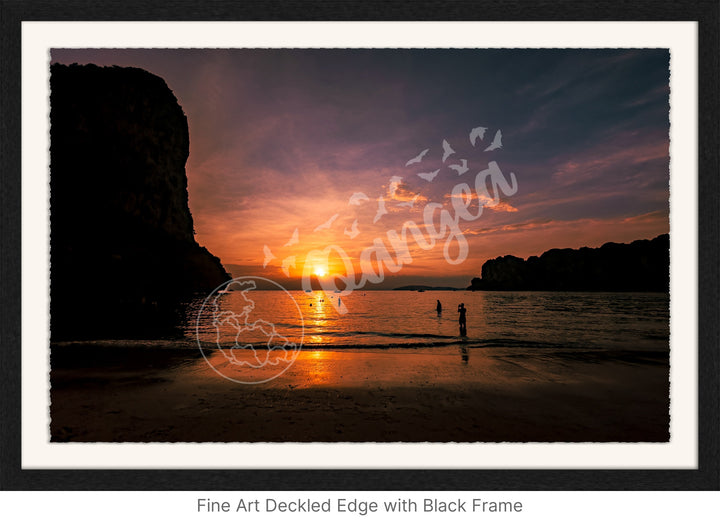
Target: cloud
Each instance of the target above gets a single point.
(626, 152)
(485, 201)
(280, 139)
(656, 220)
(656, 217)
(401, 191)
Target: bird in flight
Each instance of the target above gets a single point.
(357, 198)
(477, 132)
(428, 176)
(269, 256)
(496, 143)
(352, 231)
(293, 239)
(327, 224)
(460, 169)
(447, 150)
(287, 263)
(417, 158)
(381, 209)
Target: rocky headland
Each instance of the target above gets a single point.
(123, 252)
(643, 265)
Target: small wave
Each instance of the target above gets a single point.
(366, 334)
(419, 344)
(411, 341)
(165, 344)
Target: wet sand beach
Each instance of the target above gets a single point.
(101, 394)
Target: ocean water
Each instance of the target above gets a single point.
(533, 366)
(407, 321)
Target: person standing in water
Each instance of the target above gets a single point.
(439, 308)
(462, 320)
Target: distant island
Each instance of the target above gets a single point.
(643, 265)
(424, 288)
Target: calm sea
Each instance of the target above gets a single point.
(407, 321)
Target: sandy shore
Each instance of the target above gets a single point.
(140, 395)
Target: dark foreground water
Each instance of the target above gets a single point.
(407, 322)
(378, 366)
(402, 320)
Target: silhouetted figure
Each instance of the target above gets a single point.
(462, 320)
(439, 308)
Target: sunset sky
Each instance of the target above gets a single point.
(282, 139)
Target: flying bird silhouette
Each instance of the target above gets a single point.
(327, 224)
(293, 239)
(287, 263)
(357, 198)
(447, 150)
(460, 169)
(496, 143)
(269, 256)
(381, 209)
(428, 176)
(417, 158)
(477, 132)
(352, 231)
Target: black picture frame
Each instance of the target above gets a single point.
(705, 477)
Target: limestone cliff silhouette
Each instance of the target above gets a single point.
(123, 253)
(643, 265)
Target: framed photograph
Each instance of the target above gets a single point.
(248, 249)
